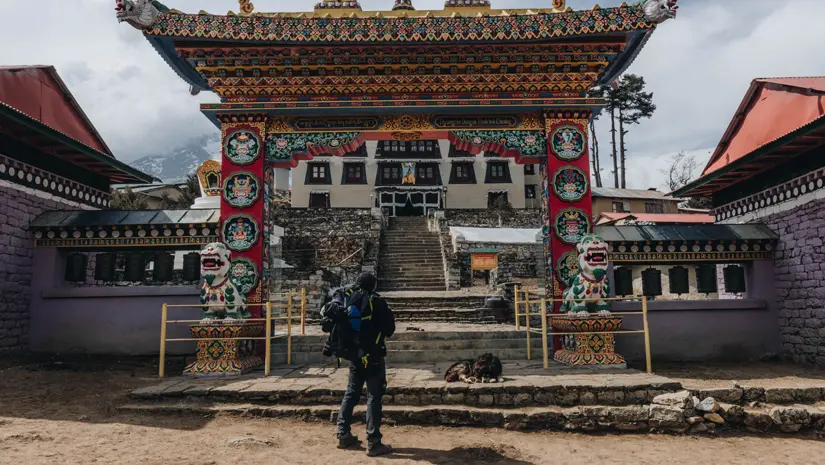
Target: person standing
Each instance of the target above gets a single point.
(359, 321)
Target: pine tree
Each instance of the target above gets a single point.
(634, 104)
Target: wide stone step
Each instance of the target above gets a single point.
(417, 288)
(411, 356)
(411, 281)
(434, 303)
(477, 345)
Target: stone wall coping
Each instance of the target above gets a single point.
(719, 305)
(119, 291)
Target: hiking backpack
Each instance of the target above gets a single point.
(350, 325)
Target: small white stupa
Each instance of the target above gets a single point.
(210, 180)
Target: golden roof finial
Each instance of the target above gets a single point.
(246, 7)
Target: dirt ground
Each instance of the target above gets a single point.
(67, 413)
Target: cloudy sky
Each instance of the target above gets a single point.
(698, 67)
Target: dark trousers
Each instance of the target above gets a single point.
(375, 377)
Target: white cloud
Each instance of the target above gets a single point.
(698, 65)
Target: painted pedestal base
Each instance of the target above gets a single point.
(588, 349)
(224, 357)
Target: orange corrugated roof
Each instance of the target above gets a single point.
(772, 108)
(657, 217)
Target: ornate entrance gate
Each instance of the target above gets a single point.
(513, 83)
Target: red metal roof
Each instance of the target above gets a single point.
(771, 109)
(658, 218)
(777, 120)
(38, 92)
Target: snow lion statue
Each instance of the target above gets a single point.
(218, 287)
(591, 280)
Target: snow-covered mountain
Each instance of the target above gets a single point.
(180, 162)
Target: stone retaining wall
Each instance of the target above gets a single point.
(18, 209)
(316, 239)
(800, 280)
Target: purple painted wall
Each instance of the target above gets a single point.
(800, 280)
(103, 320)
(17, 209)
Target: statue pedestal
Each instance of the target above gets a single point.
(587, 349)
(224, 357)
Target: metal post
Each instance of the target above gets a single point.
(303, 311)
(527, 326)
(289, 329)
(515, 304)
(164, 313)
(647, 335)
(268, 361)
(544, 333)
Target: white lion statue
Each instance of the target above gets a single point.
(591, 280)
(218, 287)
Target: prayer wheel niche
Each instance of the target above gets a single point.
(76, 267)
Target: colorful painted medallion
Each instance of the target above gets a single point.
(568, 142)
(244, 274)
(570, 184)
(571, 225)
(240, 232)
(242, 147)
(241, 189)
(567, 267)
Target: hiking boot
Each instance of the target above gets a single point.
(345, 442)
(378, 449)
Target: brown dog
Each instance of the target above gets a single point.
(487, 369)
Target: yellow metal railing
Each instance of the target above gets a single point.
(523, 297)
(268, 328)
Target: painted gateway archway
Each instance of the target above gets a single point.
(293, 85)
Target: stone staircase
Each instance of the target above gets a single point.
(410, 257)
(438, 307)
(421, 346)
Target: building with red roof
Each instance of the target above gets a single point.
(769, 168)
(51, 158)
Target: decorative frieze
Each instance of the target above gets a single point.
(759, 205)
(35, 178)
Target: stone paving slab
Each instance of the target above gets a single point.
(525, 384)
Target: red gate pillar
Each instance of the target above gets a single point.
(243, 202)
(567, 207)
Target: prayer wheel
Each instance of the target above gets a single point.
(135, 267)
(76, 267)
(734, 279)
(623, 278)
(192, 266)
(105, 266)
(164, 267)
(678, 280)
(706, 279)
(651, 282)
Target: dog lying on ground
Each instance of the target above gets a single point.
(487, 369)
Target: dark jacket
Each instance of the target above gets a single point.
(333, 319)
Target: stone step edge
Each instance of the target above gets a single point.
(478, 395)
(634, 418)
(745, 395)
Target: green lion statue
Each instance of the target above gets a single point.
(591, 280)
(218, 287)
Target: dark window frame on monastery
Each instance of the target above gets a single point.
(381, 178)
(498, 173)
(529, 191)
(427, 174)
(319, 200)
(463, 173)
(530, 170)
(318, 174)
(354, 173)
(492, 198)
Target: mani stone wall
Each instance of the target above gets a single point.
(18, 208)
(800, 280)
(316, 239)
